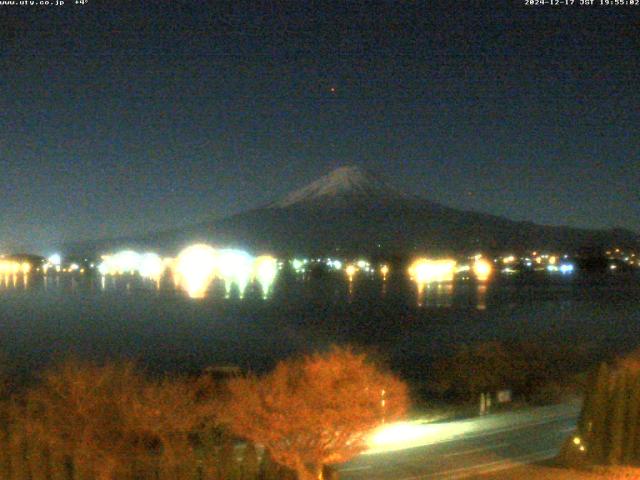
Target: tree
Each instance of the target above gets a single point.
(316, 410)
(593, 418)
(164, 416)
(270, 470)
(617, 417)
(633, 412)
(588, 401)
(472, 370)
(228, 468)
(108, 417)
(610, 418)
(4, 422)
(250, 463)
(77, 411)
(4, 377)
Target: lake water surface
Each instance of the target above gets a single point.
(165, 330)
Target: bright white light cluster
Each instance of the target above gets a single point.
(12, 267)
(334, 264)
(147, 265)
(234, 267)
(482, 269)
(384, 271)
(197, 266)
(265, 271)
(351, 270)
(194, 269)
(424, 270)
(54, 261)
(364, 266)
(564, 268)
(299, 265)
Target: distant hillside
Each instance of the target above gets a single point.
(350, 210)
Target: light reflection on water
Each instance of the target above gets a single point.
(261, 284)
(481, 303)
(159, 324)
(15, 280)
(437, 295)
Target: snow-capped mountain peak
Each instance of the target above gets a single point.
(345, 182)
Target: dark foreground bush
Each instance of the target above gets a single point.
(532, 371)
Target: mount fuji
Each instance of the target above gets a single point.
(352, 211)
(343, 187)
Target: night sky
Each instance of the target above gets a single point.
(118, 120)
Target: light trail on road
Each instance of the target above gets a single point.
(467, 448)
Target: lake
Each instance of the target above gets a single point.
(167, 331)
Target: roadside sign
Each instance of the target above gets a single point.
(503, 396)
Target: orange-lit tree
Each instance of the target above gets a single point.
(108, 418)
(163, 418)
(316, 410)
(78, 411)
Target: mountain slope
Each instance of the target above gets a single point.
(352, 211)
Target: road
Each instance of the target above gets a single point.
(464, 449)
